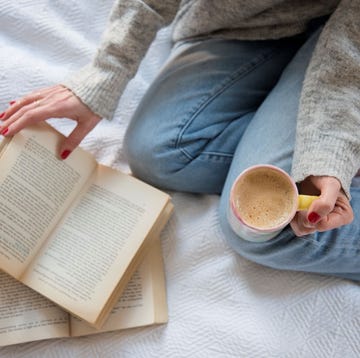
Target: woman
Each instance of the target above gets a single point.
(247, 82)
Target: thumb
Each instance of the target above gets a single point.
(323, 206)
(73, 140)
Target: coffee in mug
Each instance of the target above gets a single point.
(263, 200)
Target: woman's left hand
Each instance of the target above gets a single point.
(331, 210)
(51, 102)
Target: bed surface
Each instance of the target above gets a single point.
(220, 305)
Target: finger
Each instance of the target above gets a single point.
(301, 225)
(15, 106)
(24, 116)
(34, 115)
(37, 94)
(19, 104)
(323, 206)
(26, 113)
(341, 215)
(333, 221)
(75, 138)
(297, 225)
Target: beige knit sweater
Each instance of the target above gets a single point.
(328, 140)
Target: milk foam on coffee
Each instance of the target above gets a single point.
(264, 198)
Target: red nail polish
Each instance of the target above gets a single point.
(65, 154)
(5, 131)
(2, 115)
(12, 102)
(313, 217)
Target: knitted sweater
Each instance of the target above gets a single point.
(329, 115)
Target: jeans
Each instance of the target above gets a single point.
(220, 106)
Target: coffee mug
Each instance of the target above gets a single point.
(263, 200)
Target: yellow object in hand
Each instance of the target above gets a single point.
(304, 201)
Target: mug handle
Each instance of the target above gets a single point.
(304, 201)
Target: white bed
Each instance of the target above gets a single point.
(220, 305)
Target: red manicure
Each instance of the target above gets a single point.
(2, 115)
(313, 217)
(5, 131)
(12, 102)
(65, 154)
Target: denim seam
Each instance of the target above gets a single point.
(326, 246)
(207, 99)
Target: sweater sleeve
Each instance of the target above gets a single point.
(328, 137)
(131, 28)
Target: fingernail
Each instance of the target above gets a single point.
(2, 115)
(5, 131)
(12, 102)
(65, 154)
(313, 217)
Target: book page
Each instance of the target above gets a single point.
(3, 144)
(27, 316)
(142, 303)
(35, 190)
(85, 258)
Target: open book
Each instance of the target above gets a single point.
(73, 230)
(28, 316)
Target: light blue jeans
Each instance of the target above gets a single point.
(220, 106)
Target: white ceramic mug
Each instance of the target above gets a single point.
(263, 200)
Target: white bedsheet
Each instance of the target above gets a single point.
(220, 305)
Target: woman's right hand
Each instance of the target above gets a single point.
(331, 210)
(52, 102)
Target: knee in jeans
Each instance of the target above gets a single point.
(148, 160)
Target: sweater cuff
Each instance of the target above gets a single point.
(325, 156)
(99, 90)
